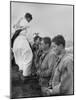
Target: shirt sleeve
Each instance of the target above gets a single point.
(66, 76)
(17, 25)
(50, 63)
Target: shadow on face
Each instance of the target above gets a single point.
(56, 48)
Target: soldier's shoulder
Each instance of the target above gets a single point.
(52, 53)
(68, 58)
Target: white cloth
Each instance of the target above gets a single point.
(20, 24)
(23, 54)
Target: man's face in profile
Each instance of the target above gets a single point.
(57, 49)
(43, 45)
(28, 19)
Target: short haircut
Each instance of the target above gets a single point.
(28, 15)
(47, 40)
(59, 39)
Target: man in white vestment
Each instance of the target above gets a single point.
(21, 48)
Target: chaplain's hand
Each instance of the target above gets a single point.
(56, 89)
(49, 92)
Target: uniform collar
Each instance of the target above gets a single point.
(62, 54)
(46, 51)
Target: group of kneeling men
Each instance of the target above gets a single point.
(48, 60)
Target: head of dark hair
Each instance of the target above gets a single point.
(28, 15)
(47, 40)
(37, 37)
(59, 40)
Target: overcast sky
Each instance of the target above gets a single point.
(48, 20)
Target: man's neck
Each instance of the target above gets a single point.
(46, 50)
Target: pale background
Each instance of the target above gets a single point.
(5, 49)
(48, 20)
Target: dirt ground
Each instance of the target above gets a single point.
(29, 88)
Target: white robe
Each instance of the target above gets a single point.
(23, 54)
(20, 24)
